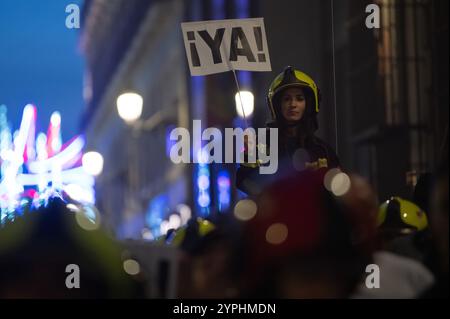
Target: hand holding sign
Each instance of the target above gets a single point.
(225, 45)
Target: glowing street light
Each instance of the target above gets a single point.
(92, 163)
(129, 106)
(248, 101)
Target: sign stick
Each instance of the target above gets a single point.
(238, 88)
(240, 97)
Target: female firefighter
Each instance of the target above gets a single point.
(293, 100)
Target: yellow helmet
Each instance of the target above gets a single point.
(291, 77)
(397, 214)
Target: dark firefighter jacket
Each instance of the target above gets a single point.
(314, 154)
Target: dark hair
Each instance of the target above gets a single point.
(39, 245)
(325, 244)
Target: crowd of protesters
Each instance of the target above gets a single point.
(297, 239)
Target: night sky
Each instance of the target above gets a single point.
(40, 63)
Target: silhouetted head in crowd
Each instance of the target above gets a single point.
(306, 242)
(439, 222)
(208, 268)
(50, 251)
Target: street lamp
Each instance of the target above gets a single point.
(248, 102)
(129, 106)
(92, 163)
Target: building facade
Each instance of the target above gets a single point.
(384, 106)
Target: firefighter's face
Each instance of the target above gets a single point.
(293, 104)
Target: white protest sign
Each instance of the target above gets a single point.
(222, 45)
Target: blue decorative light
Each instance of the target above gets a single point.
(223, 190)
(156, 213)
